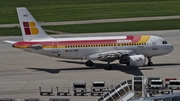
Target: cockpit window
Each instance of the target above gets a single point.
(164, 42)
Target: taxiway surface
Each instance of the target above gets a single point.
(22, 73)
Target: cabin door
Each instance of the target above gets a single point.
(154, 44)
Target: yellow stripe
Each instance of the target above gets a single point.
(21, 46)
(144, 39)
(53, 47)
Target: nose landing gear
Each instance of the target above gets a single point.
(149, 61)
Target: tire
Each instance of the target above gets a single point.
(109, 67)
(105, 67)
(58, 94)
(86, 65)
(92, 94)
(91, 64)
(150, 64)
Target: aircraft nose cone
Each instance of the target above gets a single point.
(168, 49)
(171, 48)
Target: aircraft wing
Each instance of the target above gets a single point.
(111, 55)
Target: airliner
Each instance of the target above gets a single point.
(128, 50)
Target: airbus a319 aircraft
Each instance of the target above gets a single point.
(129, 50)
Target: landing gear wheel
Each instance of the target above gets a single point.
(150, 64)
(92, 94)
(107, 67)
(89, 63)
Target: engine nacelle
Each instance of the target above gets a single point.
(134, 60)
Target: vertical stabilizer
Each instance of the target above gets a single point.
(29, 27)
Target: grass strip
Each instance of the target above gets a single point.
(62, 10)
(171, 24)
(119, 26)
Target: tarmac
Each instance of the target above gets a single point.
(22, 73)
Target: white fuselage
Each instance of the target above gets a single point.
(153, 47)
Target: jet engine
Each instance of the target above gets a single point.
(134, 60)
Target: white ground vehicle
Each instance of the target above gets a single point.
(174, 84)
(166, 81)
(157, 84)
(97, 88)
(150, 79)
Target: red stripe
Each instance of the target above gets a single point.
(89, 42)
(78, 42)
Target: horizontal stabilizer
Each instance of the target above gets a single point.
(8, 41)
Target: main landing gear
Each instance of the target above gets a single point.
(149, 61)
(108, 66)
(89, 63)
